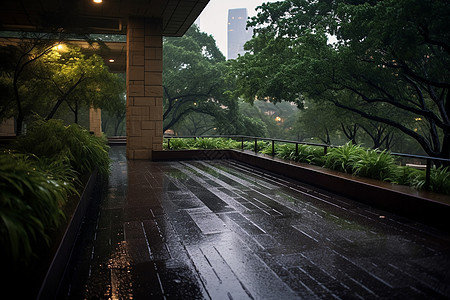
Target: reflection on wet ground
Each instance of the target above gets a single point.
(221, 230)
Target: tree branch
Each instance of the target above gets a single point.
(420, 139)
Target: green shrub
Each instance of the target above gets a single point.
(310, 154)
(179, 144)
(32, 194)
(260, 145)
(439, 180)
(268, 148)
(405, 175)
(208, 143)
(201, 143)
(343, 158)
(52, 140)
(230, 144)
(374, 164)
(285, 151)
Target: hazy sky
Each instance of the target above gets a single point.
(214, 18)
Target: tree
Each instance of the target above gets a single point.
(74, 78)
(114, 103)
(17, 61)
(194, 80)
(42, 75)
(390, 56)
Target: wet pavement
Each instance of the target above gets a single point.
(222, 230)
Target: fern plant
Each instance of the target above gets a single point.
(208, 143)
(343, 158)
(52, 140)
(439, 180)
(311, 155)
(260, 145)
(374, 164)
(179, 144)
(32, 194)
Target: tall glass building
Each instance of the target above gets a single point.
(237, 33)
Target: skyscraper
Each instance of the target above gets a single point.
(237, 33)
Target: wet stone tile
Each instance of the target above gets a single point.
(207, 221)
(223, 230)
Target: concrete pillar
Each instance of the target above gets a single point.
(7, 128)
(95, 121)
(144, 87)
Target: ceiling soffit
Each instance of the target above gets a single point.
(85, 16)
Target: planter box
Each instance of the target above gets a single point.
(62, 256)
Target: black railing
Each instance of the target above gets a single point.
(428, 159)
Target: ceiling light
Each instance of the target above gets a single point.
(111, 60)
(97, 1)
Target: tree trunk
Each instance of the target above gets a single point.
(76, 112)
(19, 124)
(63, 98)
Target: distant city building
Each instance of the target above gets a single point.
(237, 33)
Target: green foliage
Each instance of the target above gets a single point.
(354, 159)
(310, 154)
(202, 143)
(36, 179)
(439, 180)
(343, 158)
(260, 146)
(178, 144)
(208, 143)
(387, 65)
(32, 193)
(194, 82)
(374, 164)
(40, 78)
(52, 140)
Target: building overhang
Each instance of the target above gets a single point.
(86, 16)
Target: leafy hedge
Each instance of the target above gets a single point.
(51, 139)
(32, 194)
(38, 174)
(349, 158)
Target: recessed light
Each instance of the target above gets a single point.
(111, 60)
(97, 1)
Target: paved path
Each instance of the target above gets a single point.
(221, 230)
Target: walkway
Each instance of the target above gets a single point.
(221, 230)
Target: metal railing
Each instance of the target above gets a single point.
(428, 159)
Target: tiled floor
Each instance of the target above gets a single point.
(221, 230)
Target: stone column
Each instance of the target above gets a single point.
(7, 128)
(144, 87)
(95, 121)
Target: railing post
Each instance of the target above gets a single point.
(325, 150)
(296, 149)
(273, 148)
(256, 145)
(428, 175)
(242, 143)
